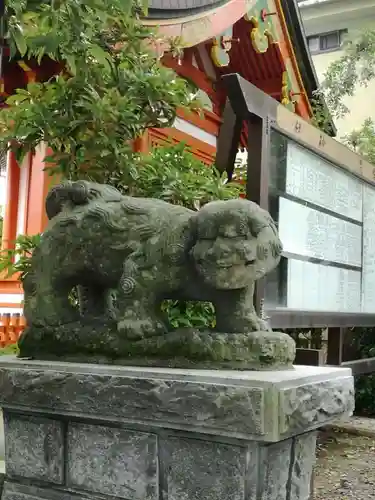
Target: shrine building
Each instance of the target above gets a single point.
(261, 40)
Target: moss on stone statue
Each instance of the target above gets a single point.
(179, 349)
(143, 251)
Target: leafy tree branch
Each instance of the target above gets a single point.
(362, 140)
(111, 90)
(355, 67)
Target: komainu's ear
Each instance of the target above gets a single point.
(56, 198)
(76, 193)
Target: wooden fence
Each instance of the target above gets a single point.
(11, 327)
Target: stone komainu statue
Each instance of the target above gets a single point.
(142, 251)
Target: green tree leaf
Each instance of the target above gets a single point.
(19, 40)
(100, 55)
(356, 67)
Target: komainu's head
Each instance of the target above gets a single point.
(236, 243)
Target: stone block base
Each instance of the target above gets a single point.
(85, 432)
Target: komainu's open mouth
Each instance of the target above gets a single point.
(250, 262)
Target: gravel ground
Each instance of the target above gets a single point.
(345, 467)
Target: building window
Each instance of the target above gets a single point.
(326, 42)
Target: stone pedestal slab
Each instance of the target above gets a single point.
(102, 432)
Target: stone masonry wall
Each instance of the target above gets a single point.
(59, 459)
(97, 432)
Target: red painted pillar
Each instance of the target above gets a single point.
(11, 202)
(39, 184)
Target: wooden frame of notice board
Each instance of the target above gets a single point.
(285, 153)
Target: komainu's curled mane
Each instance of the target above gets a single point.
(144, 251)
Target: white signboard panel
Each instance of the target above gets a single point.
(318, 287)
(368, 262)
(313, 179)
(311, 233)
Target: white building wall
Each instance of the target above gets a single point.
(14, 300)
(22, 196)
(324, 16)
(3, 183)
(196, 132)
(2, 192)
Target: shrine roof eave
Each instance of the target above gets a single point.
(174, 9)
(195, 22)
(197, 25)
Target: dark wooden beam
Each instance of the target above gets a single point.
(235, 95)
(360, 366)
(228, 141)
(335, 345)
(257, 163)
(290, 318)
(247, 100)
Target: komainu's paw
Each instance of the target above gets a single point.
(139, 329)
